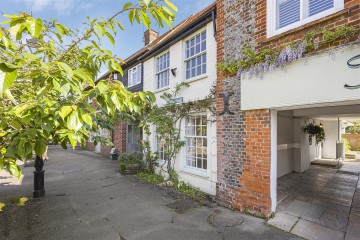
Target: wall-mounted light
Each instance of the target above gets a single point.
(173, 71)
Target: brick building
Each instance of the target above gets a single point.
(262, 138)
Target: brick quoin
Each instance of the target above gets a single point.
(244, 141)
(243, 138)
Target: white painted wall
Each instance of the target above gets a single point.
(331, 136)
(285, 142)
(311, 81)
(199, 88)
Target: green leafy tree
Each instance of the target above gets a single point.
(355, 129)
(45, 82)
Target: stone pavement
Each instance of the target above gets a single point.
(86, 198)
(321, 203)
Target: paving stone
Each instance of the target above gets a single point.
(283, 221)
(313, 231)
(352, 231)
(345, 201)
(334, 219)
(345, 210)
(300, 208)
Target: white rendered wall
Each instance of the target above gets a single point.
(285, 142)
(311, 81)
(199, 88)
(331, 136)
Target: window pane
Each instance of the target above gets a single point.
(288, 12)
(203, 35)
(317, 6)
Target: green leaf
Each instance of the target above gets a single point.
(14, 169)
(6, 80)
(34, 26)
(100, 30)
(132, 15)
(85, 75)
(61, 29)
(21, 108)
(73, 139)
(111, 38)
(65, 111)
(102, 87)
(66, 68)
(40, 147)
(137, 17)
(115, 100)
(146, 19)
(74, 122)
(117, 67)
(87, 119)
(142, 95)
(6, 41)
(127, 6)
(171, 5)
(10, 96)
(30, 56)
(15, 124)
(152, 96)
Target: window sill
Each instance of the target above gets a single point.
(134, 85)
(197, 78)
(195, 172)
(161, 90)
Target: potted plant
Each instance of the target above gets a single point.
(316, 131)
(130, 163)
(114, 153)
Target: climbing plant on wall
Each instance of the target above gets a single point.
(257, 64)
(168, 120)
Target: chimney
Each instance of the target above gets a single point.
(149, 36)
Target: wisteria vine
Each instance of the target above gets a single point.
(257, 65)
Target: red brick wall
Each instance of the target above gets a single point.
(119, 133)
(354, 140)
(244, 137)
(349, 16)
(256, 177)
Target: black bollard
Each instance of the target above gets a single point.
(39, 188)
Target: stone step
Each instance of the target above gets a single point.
(350, 156)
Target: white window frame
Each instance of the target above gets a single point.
(272, 16)
(187, 136)
(158, 71)
(204, 52)
(138, 75)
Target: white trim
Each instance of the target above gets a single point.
(199, 32)
(202, 76)
(271, 10)
(273, 163)
(162, 71)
